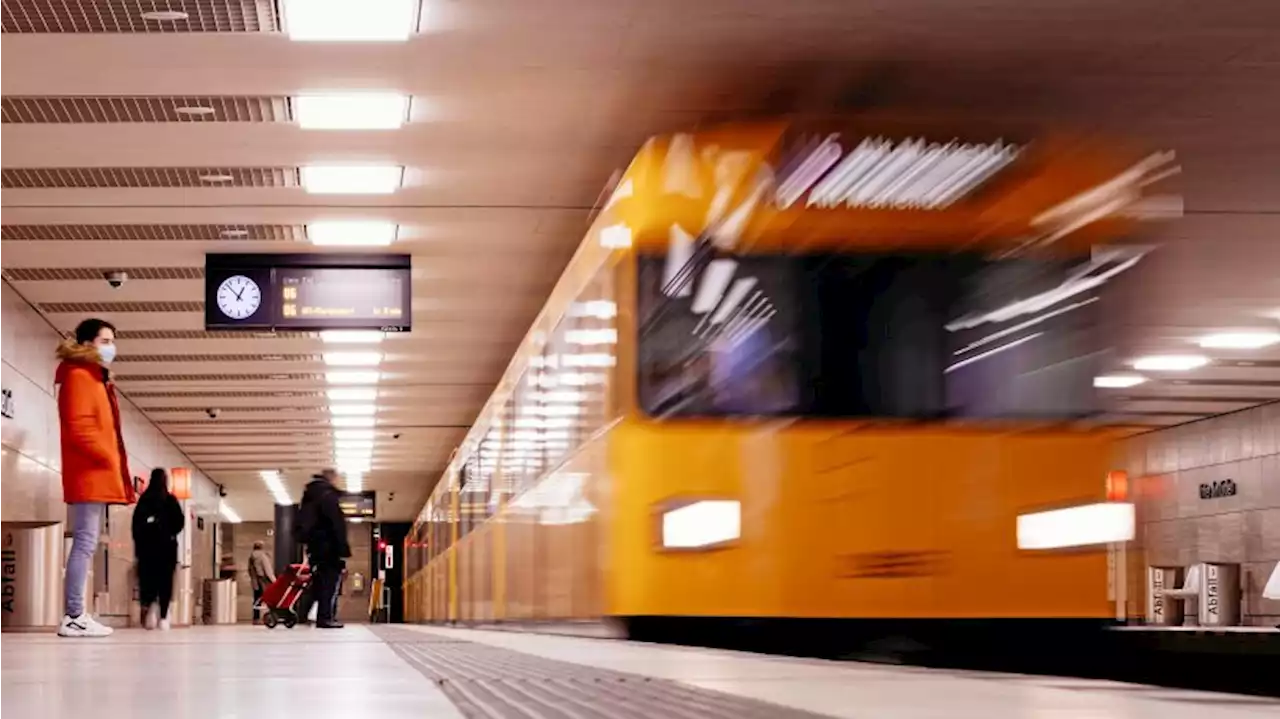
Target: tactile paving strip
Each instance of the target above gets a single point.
(487, 682)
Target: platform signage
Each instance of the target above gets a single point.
(1217, 490)
(308, 292)
(360, 505)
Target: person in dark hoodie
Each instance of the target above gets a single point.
(157, 521)
(323, 529)
(95, 467)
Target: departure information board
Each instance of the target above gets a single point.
(308, 292)
(358, 505)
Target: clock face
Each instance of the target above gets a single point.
(239, 297)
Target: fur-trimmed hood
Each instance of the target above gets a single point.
(74, 353)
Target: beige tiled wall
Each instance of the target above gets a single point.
(31, 464)
(1180, 528)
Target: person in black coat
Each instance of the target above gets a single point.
(157, 520)
(323, 529)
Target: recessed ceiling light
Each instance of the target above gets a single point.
(1239, 340)
(352, 394)
(1115, 381)
(352, 179)
(275, 485)
(1169, 363)
(348, 21)
(352, 111)
(354, 377)
(353, 359)
(194, 110)
(352, 336)
(352, 409)
(353, 233)
(165, 15)
(352, 421)
(345, 434)
(212, 178)
(234, 233)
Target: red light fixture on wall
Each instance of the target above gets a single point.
(1117, 486)
(180, 482)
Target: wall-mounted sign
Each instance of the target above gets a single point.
(308, 292)
(1215, 490)
(6, 403)
(358, 505)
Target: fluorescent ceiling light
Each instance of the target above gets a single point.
(1090, 524)
(353, 359)
(733, 299)
(275, 485)
(352, 179)
(1169, 363)
(350, 21)
(165, 15)
(1239, 340)
(352, 421)
(355, 483)
(352, 111)
(615, 237)
(351, 377)
(345, 434)
(228, 513)
(352, 409)
(591, 337)
(352, 394)
(339, 444)
(702, 524)
(1118, 381)
(352, 233)
(352, 336)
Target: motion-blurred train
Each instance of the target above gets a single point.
(811, 372)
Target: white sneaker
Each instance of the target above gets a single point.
(164, 624)
(152, 618)
(83, 626)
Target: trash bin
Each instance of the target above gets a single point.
(1163, 611)
(219, 601)
(31, 573)
(1220, 595)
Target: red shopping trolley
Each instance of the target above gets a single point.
(280, 598)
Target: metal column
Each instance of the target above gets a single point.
(286, 550)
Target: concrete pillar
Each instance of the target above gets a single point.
(286, 547)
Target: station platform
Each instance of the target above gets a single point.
(395, 672)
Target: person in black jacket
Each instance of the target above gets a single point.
(157, 521)
(323, 528)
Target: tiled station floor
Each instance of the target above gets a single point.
(401, 672)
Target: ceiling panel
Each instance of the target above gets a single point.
(144, 109)
(139, 16)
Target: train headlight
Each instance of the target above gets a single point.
(703, 523)
(1089, 524)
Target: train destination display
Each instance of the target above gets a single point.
(308, 292)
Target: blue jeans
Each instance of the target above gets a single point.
(86, 525)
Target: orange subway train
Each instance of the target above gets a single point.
(809, 373)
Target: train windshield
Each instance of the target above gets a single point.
(859, 335)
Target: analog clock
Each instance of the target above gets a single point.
(239, 297)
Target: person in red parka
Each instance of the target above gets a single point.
(95, 467)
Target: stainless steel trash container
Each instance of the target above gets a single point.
(1220, 595)
(31, 574)
(1163, 611)
(219, 601)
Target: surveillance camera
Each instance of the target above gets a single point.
(395, 436)
(391, 496)
(222, 491)
(213, 412)
(115, 278)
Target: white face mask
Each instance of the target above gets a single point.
(107, 353)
